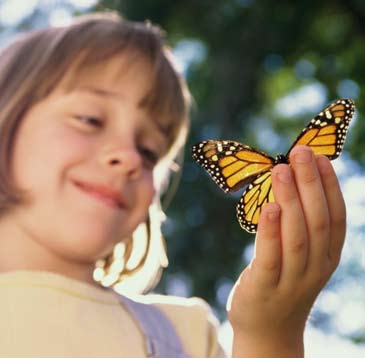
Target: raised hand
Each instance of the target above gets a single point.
(298, 247)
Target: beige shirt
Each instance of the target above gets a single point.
(43, 314)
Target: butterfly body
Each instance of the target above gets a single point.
(234, 165)
(281, 159)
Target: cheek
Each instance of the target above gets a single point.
(145, 196)
(148, 191)
(142, 196)
(42, 153)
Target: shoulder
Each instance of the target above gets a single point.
(189, 315)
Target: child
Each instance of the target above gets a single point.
(92, 115)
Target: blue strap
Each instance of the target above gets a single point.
(162, 340)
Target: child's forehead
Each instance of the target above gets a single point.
(116, 73)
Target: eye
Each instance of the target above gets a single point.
(149, 155)
(92, 121)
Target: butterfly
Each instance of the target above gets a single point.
(234, 165)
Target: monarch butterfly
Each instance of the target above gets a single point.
(234, 165)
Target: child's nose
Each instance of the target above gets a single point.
(127, 161)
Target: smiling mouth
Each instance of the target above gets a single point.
(110, 202)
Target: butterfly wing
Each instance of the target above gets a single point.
(232, 165)
(258, 193)
(326, 132)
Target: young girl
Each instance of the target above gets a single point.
(92, 115)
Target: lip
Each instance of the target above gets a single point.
(103, 193)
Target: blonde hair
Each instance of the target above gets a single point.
(32, 67)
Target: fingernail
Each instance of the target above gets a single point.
(304, 156)
(285, 175)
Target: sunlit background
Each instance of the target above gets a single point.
(261, 93)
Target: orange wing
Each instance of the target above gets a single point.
(258, 194)
(326, 133)
(232, 165)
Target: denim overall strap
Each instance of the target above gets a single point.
(162, 340)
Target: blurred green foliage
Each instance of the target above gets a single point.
(255, 53)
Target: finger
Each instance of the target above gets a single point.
(266, 264)
(336, 208)
(314, 204)
(292, 224)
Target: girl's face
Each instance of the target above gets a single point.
(86, 157)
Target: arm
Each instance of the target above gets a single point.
(298, 247)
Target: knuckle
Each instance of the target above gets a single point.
(318, 278)
(339, 218)
(267, 264)
(271, 265)
(297, 246)
(322, 276)
(309, 177)
(290, 198)
(321, 226)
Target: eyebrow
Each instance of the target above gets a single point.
(101, 92)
